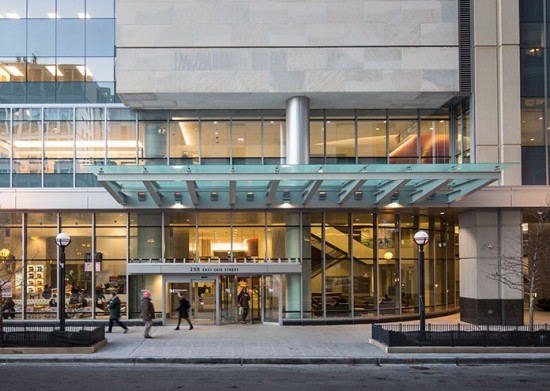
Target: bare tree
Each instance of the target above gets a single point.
(528, 272)
(9, 268)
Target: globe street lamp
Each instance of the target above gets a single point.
(62, 240)
(421, 238)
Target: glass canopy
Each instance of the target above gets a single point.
(294, 186)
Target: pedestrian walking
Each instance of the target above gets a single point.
(184, 311)
(244, 299)
(147, 313)
(114, 313)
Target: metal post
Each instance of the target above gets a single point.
(61, 293)
(421, 291)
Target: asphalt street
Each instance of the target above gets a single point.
(97, 376)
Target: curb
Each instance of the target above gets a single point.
(286, 361)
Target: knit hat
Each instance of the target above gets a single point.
(146, 294)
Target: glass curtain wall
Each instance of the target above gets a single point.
(27, 147)
(5, 147)
(90, 144)
(184, 138)
(372, 138)
(57, 51)
(58, 147)
(56, 151)
(358, 264)
(534, 18)
(180, 237)
(388, 251)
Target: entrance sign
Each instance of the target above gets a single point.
(209, 269)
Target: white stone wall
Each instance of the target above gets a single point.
(170, 49)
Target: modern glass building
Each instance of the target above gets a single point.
(290, 148)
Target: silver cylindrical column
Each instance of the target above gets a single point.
(297, 130)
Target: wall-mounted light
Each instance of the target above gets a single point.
(286, 197)
(358, 196)
(214, 196)
(322, 195)
(177, 196)
(395, 197)
(250, 196)
(141, 195)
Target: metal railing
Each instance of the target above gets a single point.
(461, 335)
(50, 336)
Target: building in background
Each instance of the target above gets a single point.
(290, 148)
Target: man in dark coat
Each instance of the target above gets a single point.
(147, 313)
(114, 313)
(184, 312)
(244, 299)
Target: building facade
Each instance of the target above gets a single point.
(292, 148)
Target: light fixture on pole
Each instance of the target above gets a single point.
(421, 238)
(62, 240)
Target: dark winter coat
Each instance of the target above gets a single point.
(114, 308)
(184, 308)
(244, 299)
(147, 309)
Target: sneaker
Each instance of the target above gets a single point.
(177, 328)
(125, 331)
(148, 336)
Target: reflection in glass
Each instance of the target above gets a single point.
(13, 37)
(70, 37)
(100, 37)
(41, 40)
(41, 9)
(70, 8)
(121, 142)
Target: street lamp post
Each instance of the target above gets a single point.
(421, 238)
(62, 240)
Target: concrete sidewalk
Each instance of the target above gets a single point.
(264, 344)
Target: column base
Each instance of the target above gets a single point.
(491, 311)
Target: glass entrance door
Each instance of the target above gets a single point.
(272, 288)
(173, 302)
(229, 306)
(203, 305)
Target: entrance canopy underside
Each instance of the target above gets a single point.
(291, 186)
